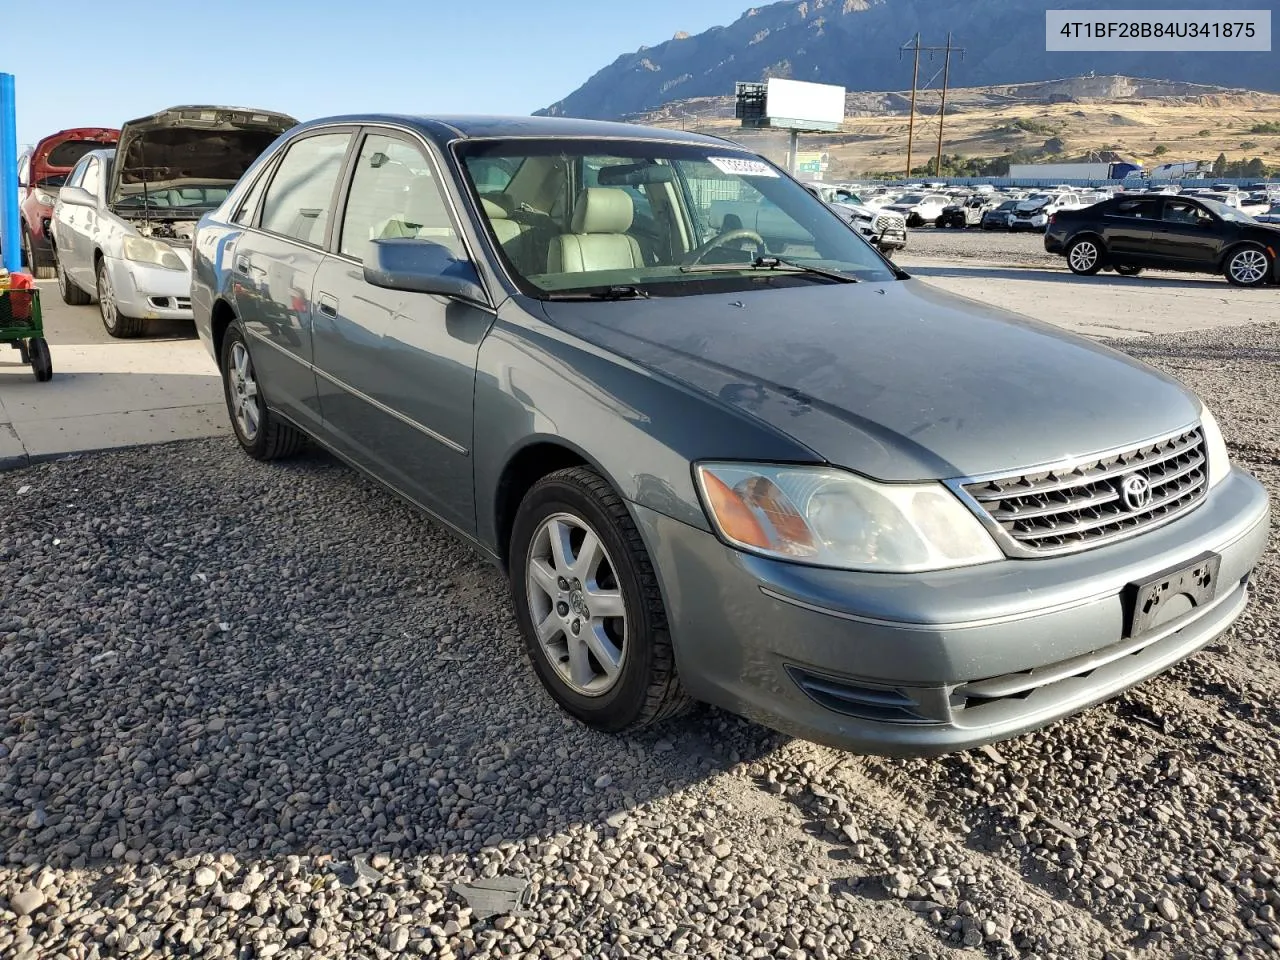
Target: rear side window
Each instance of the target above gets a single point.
(1137, 209)
(67, 155)
(299, 201)
(253, 199)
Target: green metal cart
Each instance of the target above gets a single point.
(22, 327)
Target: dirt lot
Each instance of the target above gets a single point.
(265, 710)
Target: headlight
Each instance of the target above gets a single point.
(143, 250)
(832, 518)
(1215, 447)
(46, 199)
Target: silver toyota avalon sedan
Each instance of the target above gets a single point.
(724, 450)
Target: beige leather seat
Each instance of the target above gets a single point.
(599, 241)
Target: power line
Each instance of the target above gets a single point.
(916, 47)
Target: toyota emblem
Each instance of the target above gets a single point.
(1135, 491)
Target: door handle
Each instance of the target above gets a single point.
(328, 305)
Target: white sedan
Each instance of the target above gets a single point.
(124, 219)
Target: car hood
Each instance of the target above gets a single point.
(896, 380)
(189, 146)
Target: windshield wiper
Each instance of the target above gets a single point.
(770, 263)
(615, 292)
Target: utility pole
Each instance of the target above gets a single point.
(911, 123)
(915, 46)
(942, 110)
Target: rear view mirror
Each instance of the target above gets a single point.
(420, 266)
(77, 197)
(634, 174)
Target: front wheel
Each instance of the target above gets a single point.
(117, 324)
(588, 604)
(1084, 257)
(1247, 267)
(261, 434)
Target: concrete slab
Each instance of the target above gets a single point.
(106, 393)
(1104, 305)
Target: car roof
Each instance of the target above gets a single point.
(446, 128)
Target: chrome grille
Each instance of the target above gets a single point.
(1067, 509)
(886, 221)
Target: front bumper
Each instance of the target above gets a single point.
(923, 664)
(149, 292)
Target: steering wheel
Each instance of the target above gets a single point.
(719, 240)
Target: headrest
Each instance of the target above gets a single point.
(493, 210)
(603, 210)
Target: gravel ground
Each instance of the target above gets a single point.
(265, 710)
(997, 248)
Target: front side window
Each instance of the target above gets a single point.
(92, 177)
(1183, 211)
(666, 219)
(299, 200)
(394, 194)
(77, 175)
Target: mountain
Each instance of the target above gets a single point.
(856, 43)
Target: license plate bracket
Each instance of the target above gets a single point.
(1197, 579)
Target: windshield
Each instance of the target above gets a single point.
(658, 219)
(1008, 205)
(912, 198)
(1224, 211)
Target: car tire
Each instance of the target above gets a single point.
(1126, 270)
(914, 220)
(1247, 266)
(261, 434)
(1084, 257)
(71, 294)
(116, 323)
(40, 267)
(618, 672)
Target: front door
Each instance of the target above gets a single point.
(396, 370)
(274, 266)
(1187, 235)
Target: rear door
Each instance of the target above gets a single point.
(275, 260)
(1187, 235)
(1127, 227)
(71, 223)
(396, 370)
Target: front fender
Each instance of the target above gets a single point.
(641, 431)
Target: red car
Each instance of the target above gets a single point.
(40, 172)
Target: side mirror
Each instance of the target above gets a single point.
(420, 266)
(77, 197)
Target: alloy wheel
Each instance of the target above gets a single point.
(1084, 255)
(244, 393)
(1248, 266)
(107, 299)
(576, 604)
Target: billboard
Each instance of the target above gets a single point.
(800, 105)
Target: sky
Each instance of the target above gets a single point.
(102, 62)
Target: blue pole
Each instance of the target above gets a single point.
(9, 176)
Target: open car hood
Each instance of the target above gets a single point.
(41, 168)
(190, 146)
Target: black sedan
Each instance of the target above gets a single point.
(1196, 235)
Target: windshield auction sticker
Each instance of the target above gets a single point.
(743, 167)
(1172, 31)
